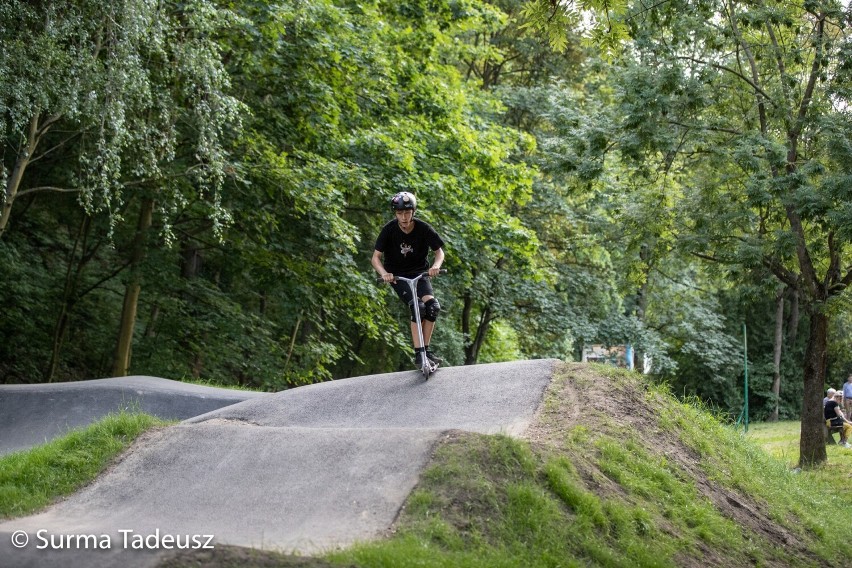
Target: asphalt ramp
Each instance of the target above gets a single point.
(301, 471)
(34, 414)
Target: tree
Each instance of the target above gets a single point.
(133, 92)
(746, 105)
(125, 91)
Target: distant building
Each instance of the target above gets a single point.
(616, 355)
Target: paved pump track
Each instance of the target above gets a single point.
(33, 414)
(303, 470)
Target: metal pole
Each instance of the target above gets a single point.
(412, 284)
(745, 367)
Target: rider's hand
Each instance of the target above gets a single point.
(388, 277)
(434, 271)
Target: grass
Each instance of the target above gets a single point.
(214, 384)
(492, 501)
(32, 479)
(781, 441)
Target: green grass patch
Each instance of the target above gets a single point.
(32, 479)
(493, 501)
(796, 500)
(781, 441)
(213, 384)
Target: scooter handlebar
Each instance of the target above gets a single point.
(381, 280)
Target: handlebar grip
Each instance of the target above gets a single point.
(440, 271)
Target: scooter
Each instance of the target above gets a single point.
(426, 366)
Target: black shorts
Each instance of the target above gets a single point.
(403, 289)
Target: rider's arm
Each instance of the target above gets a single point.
(376, 261)
(437, 262)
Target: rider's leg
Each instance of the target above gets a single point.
(428, 327)
(415, 339)
(431, 309)
(424, 293)
(419, 348)
(425, 325)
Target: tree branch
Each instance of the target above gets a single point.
(703, 256)
(47, 188)
(45, 126)
(49, 150)
(781, 272)
(847, 279)
(734, 72)
(762, 97)
(707, 128)
(805, 262)
(812, 79)
(109, 276)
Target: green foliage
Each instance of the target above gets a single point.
(701, 142)
(602, 17)
(133, 92)
(575, 194)
(348, 104)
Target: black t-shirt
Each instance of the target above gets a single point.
(828, 410)
(407, 254)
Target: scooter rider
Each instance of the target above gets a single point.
(404, 242)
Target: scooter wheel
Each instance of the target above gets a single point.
(428, 370)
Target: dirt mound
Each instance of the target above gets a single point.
(607, 403)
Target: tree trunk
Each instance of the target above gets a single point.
(812, 441)
(776, 355)
(471, 350)
(35, 133)
(292, 342)
(14, 180)
(69, 297)
(793, 318)
(58, 340)
(121, 362)
(641, 308)
(151, 327)
(467, 307)
(190, 266)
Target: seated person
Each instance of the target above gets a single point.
(834, 418)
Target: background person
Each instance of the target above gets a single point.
(834, 418)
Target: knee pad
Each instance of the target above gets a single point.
(420, 305)
(431, 309)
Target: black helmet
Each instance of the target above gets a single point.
(403, 200)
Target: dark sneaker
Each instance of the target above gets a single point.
(434, 358)
(418, 359)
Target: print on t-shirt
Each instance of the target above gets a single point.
(405, 248)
